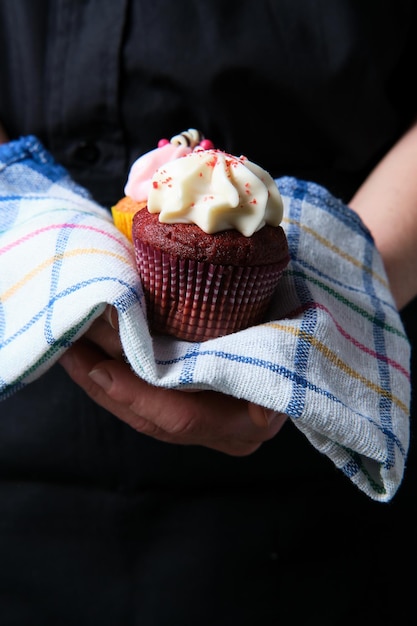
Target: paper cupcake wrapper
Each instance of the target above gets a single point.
(123, 215)
(196, 301)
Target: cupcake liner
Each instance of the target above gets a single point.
(196, 301)
(123, 213)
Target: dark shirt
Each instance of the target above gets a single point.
(99, 524)
(314, 89)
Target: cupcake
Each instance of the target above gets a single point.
(209, 247)
(138, 183)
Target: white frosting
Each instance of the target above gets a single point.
(216, 191)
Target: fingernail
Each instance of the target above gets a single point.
(102, 378)
(111, 316)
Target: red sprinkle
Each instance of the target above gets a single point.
(213, 161)
(162, 142)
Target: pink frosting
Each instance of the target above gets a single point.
(140, 175)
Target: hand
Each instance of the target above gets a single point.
(3, 137)
(204, 418)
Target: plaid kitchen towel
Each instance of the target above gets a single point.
(333, 356)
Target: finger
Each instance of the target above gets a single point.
(266, 418)
(104, 336)
(82, 359)
(111, 316)
(207, 418)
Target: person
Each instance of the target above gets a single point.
(122, 503)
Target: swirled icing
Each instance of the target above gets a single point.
(216, 191)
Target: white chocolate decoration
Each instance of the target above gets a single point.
(190, 137)
(216, 191)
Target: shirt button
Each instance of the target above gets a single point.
(86, 152)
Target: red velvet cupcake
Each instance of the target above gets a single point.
(209, 247)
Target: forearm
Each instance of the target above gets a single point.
(387, 204)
